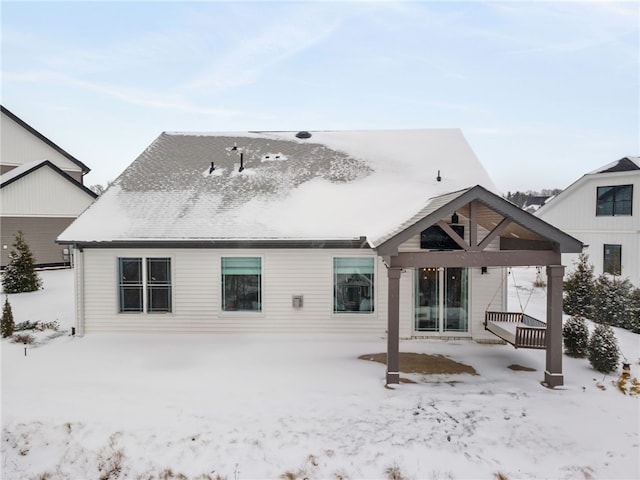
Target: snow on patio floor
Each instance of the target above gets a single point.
(243, 407)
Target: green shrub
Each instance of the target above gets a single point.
(611, 300)
(576, 337)
(603, 350)
(20, 275)
(633, 317)
(578, 289)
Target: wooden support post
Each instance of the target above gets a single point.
(393, 326)
(553, 376)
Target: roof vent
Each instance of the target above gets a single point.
(303, 134)
(211, 168)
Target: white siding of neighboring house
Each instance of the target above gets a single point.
(43, 193)
(574, 212)
(20, 146)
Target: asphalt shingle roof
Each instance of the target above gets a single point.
(333, 185)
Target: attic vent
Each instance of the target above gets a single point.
(273, 157)
(303, 134)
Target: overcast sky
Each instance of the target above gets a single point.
(543, 91)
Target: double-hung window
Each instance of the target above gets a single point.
(144, 285)
(353, 281)
(242, 284)
(614, 200)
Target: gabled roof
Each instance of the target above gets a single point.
(495, 208)
(22, 171)
(44, 139)
(334, 185)
(626, 164)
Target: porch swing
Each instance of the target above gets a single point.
(516, 328)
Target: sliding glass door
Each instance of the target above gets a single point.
(441, 300)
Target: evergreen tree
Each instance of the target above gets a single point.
(603, 349)
(578, 289)
(576, 337)
(7, 325)
(611, 300)
(19, 275)
(633, 317)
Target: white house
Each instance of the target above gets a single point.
(602, 209)
(41, 191)
(391, 233)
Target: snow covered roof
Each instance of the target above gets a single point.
(626, 164)
(333, 185)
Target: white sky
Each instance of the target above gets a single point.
(543, 91)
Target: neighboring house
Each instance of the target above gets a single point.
(602, 209)
(41, 191)
(285, 232)
(534, 202)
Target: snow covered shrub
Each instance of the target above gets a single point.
(7, 325)
(20, 275)
(26, 325)
(611, 300)
(633, 316)
(578, 288)
(23, 338)
(576, 337)
(603, 349)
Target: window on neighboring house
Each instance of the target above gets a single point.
(144, 286)
(613, 259)
(615, 200)
(242, 284)
(353, 285)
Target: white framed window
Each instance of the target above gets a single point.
(353, 284)
(242, 284)
(144, 285)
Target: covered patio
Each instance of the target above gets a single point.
(517, 238)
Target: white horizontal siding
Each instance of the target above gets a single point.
(41, 193)
(19, 146)
(197, 294)
(196, 282)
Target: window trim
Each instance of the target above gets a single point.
(221, 307)
(144, 285)
(613, 201)
(354, 314)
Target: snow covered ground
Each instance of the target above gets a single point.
(244, 407)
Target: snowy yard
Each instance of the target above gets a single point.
(246, 407)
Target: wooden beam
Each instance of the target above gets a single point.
(553, 376)
(449, 231)
(461, 258)
(498, 229)
(473, 225)
(393, 326)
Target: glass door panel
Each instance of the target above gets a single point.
(427, 304)
(456, 308)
